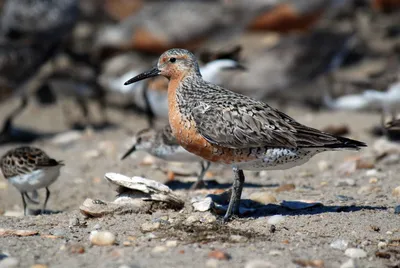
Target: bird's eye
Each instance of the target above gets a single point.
(139, 140)
(172, 60)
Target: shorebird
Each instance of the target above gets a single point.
(229, 128)
(163, 144)
(30, 169)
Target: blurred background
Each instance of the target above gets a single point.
(75, 55)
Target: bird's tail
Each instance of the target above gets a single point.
(346, 144)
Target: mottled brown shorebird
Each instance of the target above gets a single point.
(229, 128)
(163, 144)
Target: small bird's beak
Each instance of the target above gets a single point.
(151, 73)
(132, 149)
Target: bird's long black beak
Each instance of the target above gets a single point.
(131, 150)
(151, 73)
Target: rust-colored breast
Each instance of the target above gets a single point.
(189, 138)
(285, 18)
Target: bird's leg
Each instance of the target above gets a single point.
(45, 201)
(237, 187)
(200, 179)
(24, 202)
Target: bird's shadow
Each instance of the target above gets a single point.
(255, 209)
(35, 212)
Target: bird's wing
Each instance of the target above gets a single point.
(235, 121)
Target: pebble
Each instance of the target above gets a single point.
(12, 213)
(97, 227)
(355, 253)
(7, 232)
(382, 245)
(208, 218)
(276, 219)
(203, 205)
(102, 238)
(212, 263)
(349, 264)
(73, 222)
(150, 226)
(396, 191)
(39, 266)
(371, 172)
(91, 154)
(264, 198)
(171, 243)
(159, 249)
(397, 210)
(219, 255)
(66, 138)
(345, 182)
(367, 189)
(373, 180)
(192, 219)
(275, 253)
(339, 244)
(237, 238)
(324, 165)
(285, 188)
(58, 232)
(9, 263)
(259, 264)
(344, 198)
(76, 249)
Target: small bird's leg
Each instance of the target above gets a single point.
(237, 187)
(200, 179)
(45, 201)
(23, 202)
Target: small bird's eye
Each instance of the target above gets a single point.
(172, 60)
(139, 140)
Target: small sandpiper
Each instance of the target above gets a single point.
(162, 144)
(229, 128)
(30, 169)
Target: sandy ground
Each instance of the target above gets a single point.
(363, 217)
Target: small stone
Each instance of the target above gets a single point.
(310, 263)
(345, 182)
(259, 264)
(275, 253)
(264, 198)
(39, 266)
(382, 245)
(66, 138)
(339, 244)
(373, 180)
(9, 262)
(58, 232)
(367, 189)
(355, 253)
(212, 263)
(352, 263)
(159, 249)
(171, 243)
(7, 232)
(389, 232)
(219, 255)
(285, 188)
(208, 218)
(276, 219)
(396, 191)
(150, 226)
(73, 222)
(203, 205)
(97, 226)
(102, 238)
(76, 249)
(344, 198)
(237, 238)
(127, 243)
(148, 160)
(324, 165)
(192, 219)
(397, 210)
(91, 154)
(371, 172)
